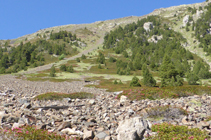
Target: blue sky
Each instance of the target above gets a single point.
(21, 17)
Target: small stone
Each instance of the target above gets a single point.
(204, 97)
(16, 125)
(26, 105)
(108, 138)
(7, 105)
(64, 125)
(92, 101)
(123, 99)
(43, 126)
(1, 116)
(88, 135)
(68, 100)
(23, 100)
(92, 120)
(71, 131)
(101, 135)
(100, 129)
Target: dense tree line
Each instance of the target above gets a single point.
(63, 35)
(202, 33)
(135, 38)
(13, 59)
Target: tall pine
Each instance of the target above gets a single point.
(148, 80)
(53, 71)
(170, 76)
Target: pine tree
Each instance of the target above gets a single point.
(134, 82)
(148, 80)
(53, 71)
(168, 73)
(101, 58)
(192, 78)
(70, 69)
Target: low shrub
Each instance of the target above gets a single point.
(61, 57)
(63, 67)
(167, 131)
(112, 59)
(31, 133)
(115, 82)
(60, 96)
(153, 93)
(70, 69)
(78, 60)
(83, 56)
(166, 111)
(208, 118)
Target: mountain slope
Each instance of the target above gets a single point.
(93, 34)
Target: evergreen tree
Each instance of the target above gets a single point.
(192, 79)
(127, 72)
(134, 82)
(53, 71)
(168, 73)
(148, 80)
(101, 58)
(83, 56)
(115, 82)
(70, 69)
(137, 62)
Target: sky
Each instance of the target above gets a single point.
(21, 17)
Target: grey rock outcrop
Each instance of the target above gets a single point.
(148, 25)
(199, 13)
(132, 129)
(155, 38)
(186, 20)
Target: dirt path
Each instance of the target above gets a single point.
(48, 66)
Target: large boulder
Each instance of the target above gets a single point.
(148, 26)
(132, 129)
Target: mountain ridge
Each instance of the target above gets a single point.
(126, 20)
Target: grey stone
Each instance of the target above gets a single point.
(88, 135)
(92, 101)
(101, 135)
(23, 100)
(108, 138)
(132, 129)
(26, 105)
(64, 125)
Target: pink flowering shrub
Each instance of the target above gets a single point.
(31, 133)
